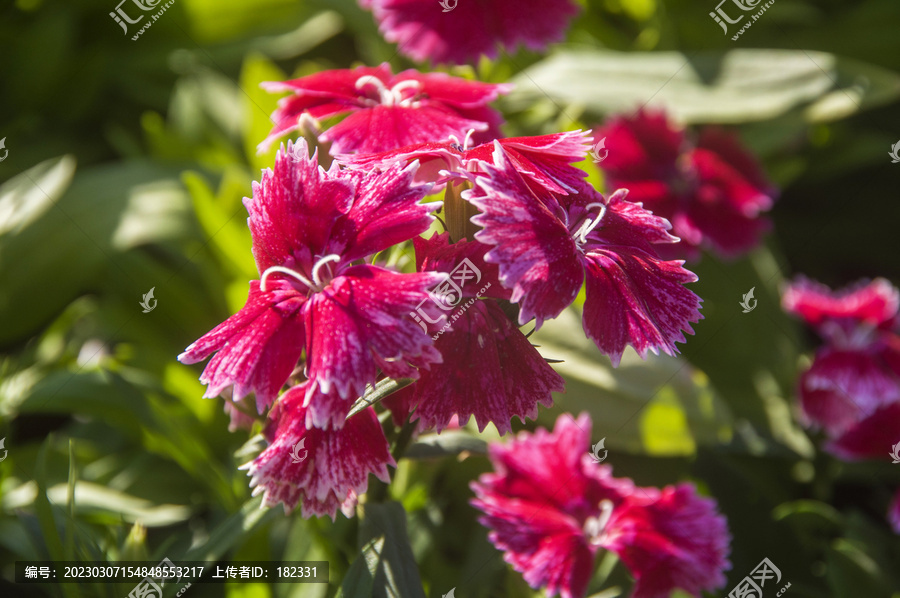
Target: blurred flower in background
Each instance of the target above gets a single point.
(474, 28)
(713, 191)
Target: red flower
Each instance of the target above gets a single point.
(544, 160)
(385, 111)
(323, 470)
(470, 28)
(308, 227)
(550, 510)
(712, 192)
(489, 368)
(852, 389)
(547, 245)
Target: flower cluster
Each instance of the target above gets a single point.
(550, 510)
(331, 322)
(712, 191)
(852, 389)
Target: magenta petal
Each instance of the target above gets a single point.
(489, 370)
(294, 209)
(871, 438)
(636, 299)
(874, 303)
(334, 465)
(257, 348)
(842, 387)
(670, 539)
(361, 322)
(471, 29)
(385, 212)
(534, 249)
(546, 546)
(382, 127)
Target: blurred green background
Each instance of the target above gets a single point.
(126, 168)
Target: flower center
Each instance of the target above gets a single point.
(594, 526)
(464, 146)
(392, 96)
(589, 223)
(316, 284)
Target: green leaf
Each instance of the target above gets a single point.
(731, 87)
(852, 573)
(232, 531)
(450, 442)
(661, 406)
(385, 567)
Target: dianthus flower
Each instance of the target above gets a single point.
(489, 368)
(470, 28)
(385, 111)
(323, 470)
(544, 160)
(550, 510)
(852, 389)
(712, 192)
(547, 245)
(348, 321)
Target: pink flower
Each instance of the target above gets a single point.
(385, 111)
(489, 368)
(544, 160)
(323, 470)
(469, 29)
(350, 321)
(712, 192)
(852, 389)
(550, 510)
(547, 245)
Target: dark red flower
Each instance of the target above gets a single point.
(852, 389)
(350, 321)
(489, 368)
(547, 245)
(385, 111)
(550, 509)
(712, 192)
(322, 470)
(465, 30)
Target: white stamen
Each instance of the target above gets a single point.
(315, 271)
(383, 93)
(589, 225)
(468, 139)
(392, 96)
(283, 270)
(594, 526)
